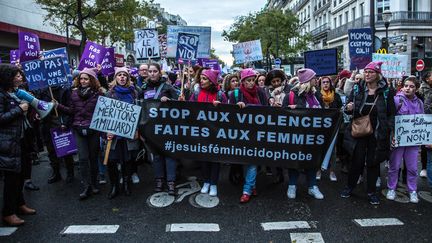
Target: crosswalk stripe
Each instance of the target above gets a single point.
(285, 225)
(378, 222)
(192, 227)
(306, 238)
(90, 229)
(5, 231)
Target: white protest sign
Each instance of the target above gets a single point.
(412, 130)
(204, 41)
(394, 66)
(116, 117)
(247, 51)
(146, 44)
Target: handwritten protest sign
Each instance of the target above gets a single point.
(360, 47)
(14, 56)
(187, 46)
(93, 54)
(44, 73)
(412, 130)
(323, 62)
(247, 51)
(108, 62)
(116, 117)
(204, 39)
(60, 52)
(29, 46)
(394, 66)
(146, 44)
(163, 45)
(64, 142)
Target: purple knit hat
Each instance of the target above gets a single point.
(375, 66)
(89, 71)
(305, 75)
(212, 75)
(246, 73)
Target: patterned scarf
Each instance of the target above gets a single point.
(251, 95)
(327, 96)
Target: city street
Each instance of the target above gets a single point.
(269, 217)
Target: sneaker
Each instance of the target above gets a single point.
(291, 191)
(315, 192)
(391, 194)
(360, 180)
(346, 193)
(205, 188)
(102, 179)
(318, 175)
(373, 199)
(378, 182)
(135, 178)
(423, 173)
(244, 198)
(333, 176)
(213, 191)
(413, 197)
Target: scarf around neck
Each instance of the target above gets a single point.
(311, 101)
(327, 96)
(124, 93)
(251, 95)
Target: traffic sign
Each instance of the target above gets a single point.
(420, 65)
(277, 61)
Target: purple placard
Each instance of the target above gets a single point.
(14, 56)
(108, 62)
(212, 63)
(93, 54)
(28, 46)
(64, 142)
(134, 72)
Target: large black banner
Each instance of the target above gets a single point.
(270, 136)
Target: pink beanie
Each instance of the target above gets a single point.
(375, 66)
(117, 70)
(305, 75)
(246, 73)
(212, 75)
(89, 71)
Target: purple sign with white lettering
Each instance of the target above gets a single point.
(64, 142)
(108, 62)
(212, 63)
(93, 54)
(28, 46)
(14, 56)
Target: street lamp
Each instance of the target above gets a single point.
(386, 16)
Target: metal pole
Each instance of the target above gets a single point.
(372, 22)
(67, 41)
(387, 24)
(277, 43)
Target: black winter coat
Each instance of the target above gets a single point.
(167, 90)
(336, 104)
(11, 129)
(385, 115)
(299, 101)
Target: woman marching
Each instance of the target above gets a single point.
(209, 92)
(407, 103)
(302, 95)
(85, 93)
(373, 98)
(123, 150)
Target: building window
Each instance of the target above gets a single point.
(361, 9)
(412, 5)
(340, 20)
(381, 6)
(346, 17)
(334, 22)
(353, 10)
(334, 3)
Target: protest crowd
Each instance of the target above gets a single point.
(368, 103)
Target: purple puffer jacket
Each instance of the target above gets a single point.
(406, 106)
(81, 109)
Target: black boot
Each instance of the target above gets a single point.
(55, 176)
(114, 180)
(171, 188)
(158, 185)
(86, 193)
(127, 180)
(70, 170)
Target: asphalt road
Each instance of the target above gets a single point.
(135, 219)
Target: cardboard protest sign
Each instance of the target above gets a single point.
(247, 51)
(163, 45)
(60, 52)
(116, 117)
(44, 73)
(413, 130)
(293, 138)
(29, 46)
(120, 60)
(64, 142)
(187, 46)
(360, 47)
(323, 62)
(204, 39)
(93, 54)
(14, 56)
(394, 66)
(108, 62)
(146, 44)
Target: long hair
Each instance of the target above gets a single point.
(304, 88)
(227, 81)
(94, 83)
(7, 76)
(114, 81)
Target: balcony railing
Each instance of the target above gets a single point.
(321, 8)
(323, 29)
(361, 22)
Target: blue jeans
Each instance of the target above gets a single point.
(250, 179)
(294, 174)
(164, 166)
(429, 167)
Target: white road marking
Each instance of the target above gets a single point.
(192, 227)
(306, 237)
(91, 229)
(5, 231)
(378, 222)
(287, 225)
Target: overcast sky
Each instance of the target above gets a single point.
(218, 14)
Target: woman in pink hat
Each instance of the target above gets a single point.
(209, 92)
(373, 97)
(302, 95)
(249, 94)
